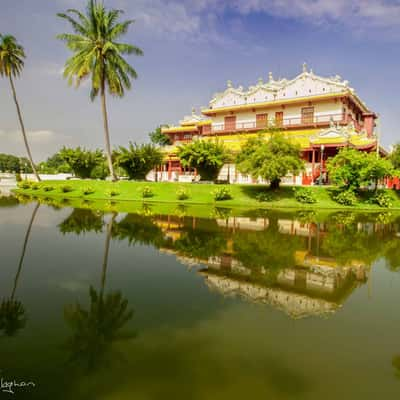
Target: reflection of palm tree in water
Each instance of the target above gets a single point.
(396, 365)
(98, 327)
(12, 312)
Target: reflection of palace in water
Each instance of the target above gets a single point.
(315, 284)
(302, 290)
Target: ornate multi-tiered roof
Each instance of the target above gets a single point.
(305, 85)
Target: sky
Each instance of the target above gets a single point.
(191, 48)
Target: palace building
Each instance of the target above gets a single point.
(321, 114)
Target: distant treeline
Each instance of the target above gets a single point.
(11, 163)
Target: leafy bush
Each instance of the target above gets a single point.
(112, 193)
(138, 160)
(25, 184)
(48, 188)
(100, 171)
(346, 198)
(88, 190)
(263, 197)
(18, 177)
(304, 195)
(66, 188)
(382, 198)
(222, 194)
(182, 193)
(35, 186)
(147, 192)
(81, 161)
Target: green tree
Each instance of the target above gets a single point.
(98, 54)
(11, 64)
(347, 168)
(138, 160)
(206, 156)
(157, 137)
(9, 163)
(54, 164)
(81, 161)
(395, 157)
(270, 160)
(376, 168)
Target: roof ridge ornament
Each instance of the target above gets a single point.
(229, 84)
(304, 67)
(270, 77)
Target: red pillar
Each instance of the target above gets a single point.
(169, 170)
(313, 164)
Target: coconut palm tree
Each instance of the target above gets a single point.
(12, 311)
(97, 54)
(11, 64)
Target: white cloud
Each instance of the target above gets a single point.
(357, 14)
(35, 136)
(51, 69)
(42, 142)
(190, 17)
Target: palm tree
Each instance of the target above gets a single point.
(12, 311)
(11, 64)
(98, 54)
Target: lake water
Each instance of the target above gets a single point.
(268, 305)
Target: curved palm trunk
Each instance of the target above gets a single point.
(106, 252)
(106, 132)
(23, 129)
(26, 240)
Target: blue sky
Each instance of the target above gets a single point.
(191, 49)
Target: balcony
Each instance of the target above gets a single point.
(285, 123)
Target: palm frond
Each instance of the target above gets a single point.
(11, 56)
(95, 53)
(77, 27)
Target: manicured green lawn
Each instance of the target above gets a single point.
(244, 196)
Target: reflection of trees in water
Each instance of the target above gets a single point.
(200, 243)
(82, 221)
(396, 365)
(95, 329)
(344, 236)
(361, 241)
(8, 201)
(268, 249)
(138, 229)
(347, 243)
(392, 254)
(12, 311)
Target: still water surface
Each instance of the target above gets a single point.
(267, 305)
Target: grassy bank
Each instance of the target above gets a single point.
(243, 196)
